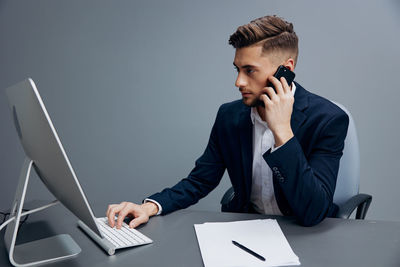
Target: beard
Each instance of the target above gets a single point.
(254, 103)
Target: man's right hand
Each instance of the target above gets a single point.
(139, 213)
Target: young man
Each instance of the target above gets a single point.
(282, 159)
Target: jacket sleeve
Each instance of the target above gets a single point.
(308, 183)
(204, 177)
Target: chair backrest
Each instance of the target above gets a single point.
(348, 180)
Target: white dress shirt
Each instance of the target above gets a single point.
(262, 190)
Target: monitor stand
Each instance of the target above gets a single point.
(37, 252)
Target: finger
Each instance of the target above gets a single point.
(122, 215)
(266, 100)
(109, 209)
(277, 85)
(271, 94)
(115, 210)
(286, 87)
(138, 221)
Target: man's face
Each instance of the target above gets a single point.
(253, 70)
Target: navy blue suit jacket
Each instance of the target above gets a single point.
(304, 169)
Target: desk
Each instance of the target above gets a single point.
(334, 242)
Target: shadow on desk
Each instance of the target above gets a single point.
(31, 231)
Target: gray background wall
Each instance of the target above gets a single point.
(133, 86)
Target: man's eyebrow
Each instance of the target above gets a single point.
(245, 66)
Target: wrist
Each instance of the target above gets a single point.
(282, 136)
(150, 208)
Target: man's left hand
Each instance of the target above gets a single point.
(278, 109)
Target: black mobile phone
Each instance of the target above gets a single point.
(282, 71)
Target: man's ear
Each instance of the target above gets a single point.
(289, 63)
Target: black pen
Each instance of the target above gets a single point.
(258, 256)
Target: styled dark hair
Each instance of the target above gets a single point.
(273, 33)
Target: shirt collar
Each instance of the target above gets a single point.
(254, 114)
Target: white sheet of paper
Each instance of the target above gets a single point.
(264, 237)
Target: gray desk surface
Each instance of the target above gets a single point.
(334, 242)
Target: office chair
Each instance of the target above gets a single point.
(346, 194)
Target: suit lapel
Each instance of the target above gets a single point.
(300, 103)
(298, 117)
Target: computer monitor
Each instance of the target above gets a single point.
(45, 153)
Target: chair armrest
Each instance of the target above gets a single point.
(360, 201)
(227, 198)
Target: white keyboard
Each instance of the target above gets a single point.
(124, 237)
(114, 238)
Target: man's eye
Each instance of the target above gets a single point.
(249, 71)
(237, 69)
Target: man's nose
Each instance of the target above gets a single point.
(240, 81)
